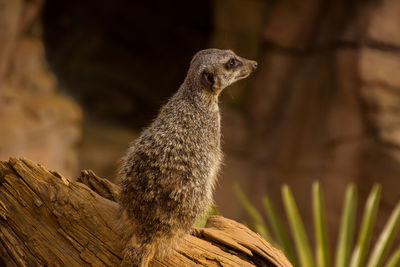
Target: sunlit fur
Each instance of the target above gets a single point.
(169, 173)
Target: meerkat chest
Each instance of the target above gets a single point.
(212, 136)
(215, 119)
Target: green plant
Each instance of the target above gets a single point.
(346, 254)
(203, 220)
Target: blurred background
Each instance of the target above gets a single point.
(80, 79)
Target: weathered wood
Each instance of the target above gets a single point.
(47, 220)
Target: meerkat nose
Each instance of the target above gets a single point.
(255, 65)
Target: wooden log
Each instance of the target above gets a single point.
(48, 220)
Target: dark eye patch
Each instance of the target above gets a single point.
(232, 64)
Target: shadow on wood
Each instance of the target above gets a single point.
(45, 219)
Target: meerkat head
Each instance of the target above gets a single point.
(215, 69)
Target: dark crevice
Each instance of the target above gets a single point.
(190, 258)
(382, 85)
(337, 45)
(376, 108)
(5, 171)
(5, 252)
(380, 45)
(387, 144)
(216, 261)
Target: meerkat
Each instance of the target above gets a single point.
(169, 173)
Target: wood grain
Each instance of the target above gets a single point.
(48, 220)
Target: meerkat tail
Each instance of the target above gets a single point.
(138, 255)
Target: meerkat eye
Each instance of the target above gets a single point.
(232, 63)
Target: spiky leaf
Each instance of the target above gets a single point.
(346, 232)
(259, 223)
(385, 239)
(297, 227)
(367, 223)
(279, 232)
(322, 249)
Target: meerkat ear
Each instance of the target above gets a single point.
(207, 79)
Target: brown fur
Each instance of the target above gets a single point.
(169, 173)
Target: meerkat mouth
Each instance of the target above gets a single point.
(241, 76)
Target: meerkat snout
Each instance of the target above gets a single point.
(248, 67)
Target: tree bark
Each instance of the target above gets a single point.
(48, 220)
